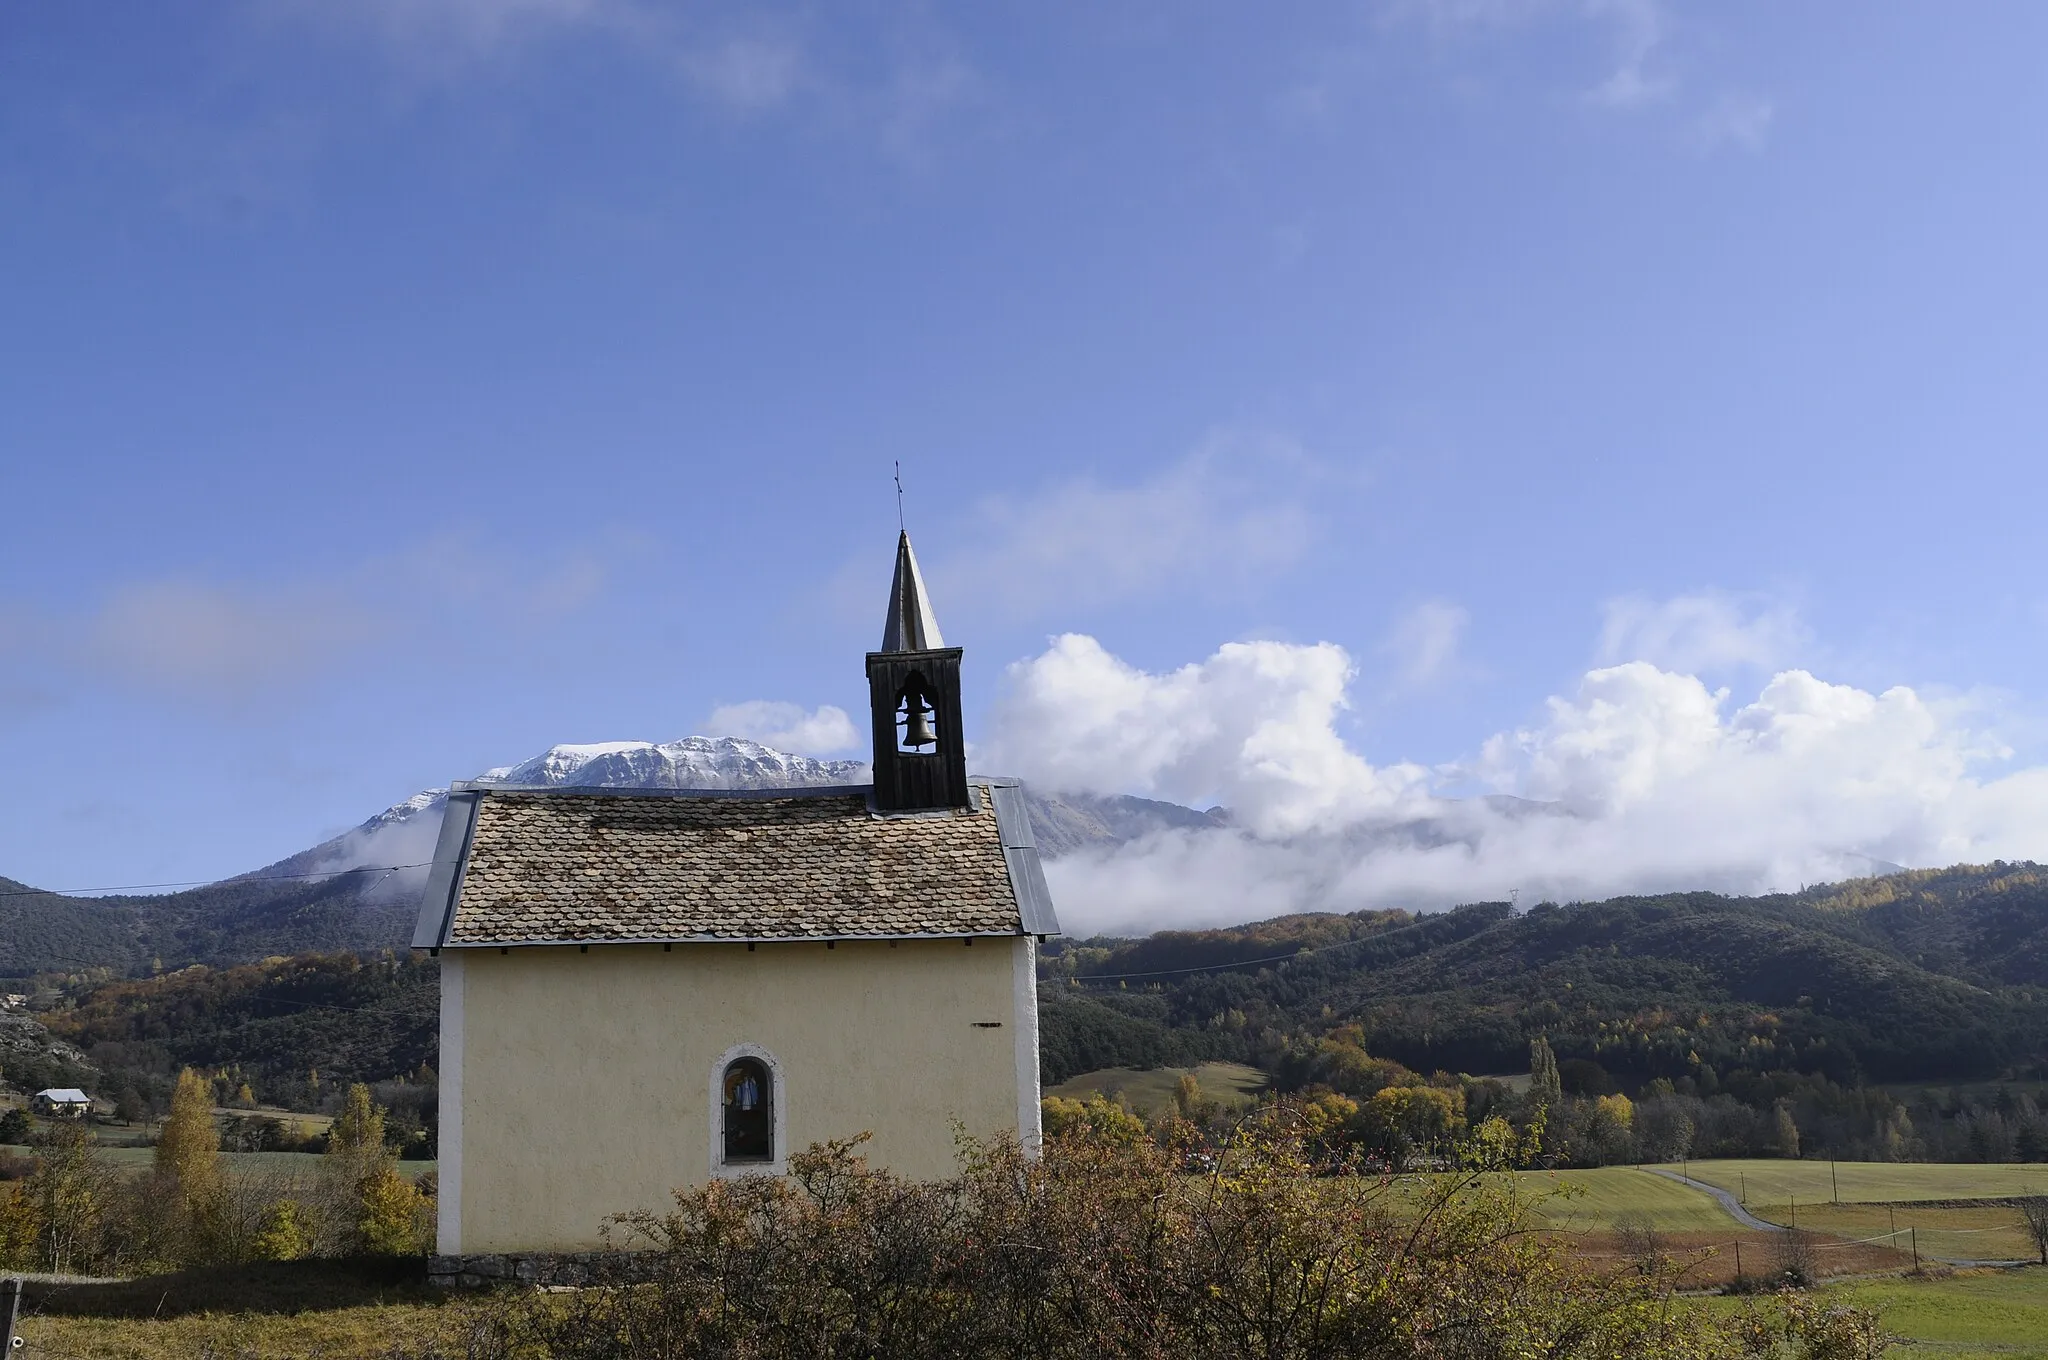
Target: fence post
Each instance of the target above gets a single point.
(1916, 1247)
(1738, 1259)
(13, 1310)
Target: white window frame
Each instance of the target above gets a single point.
(778, 1116)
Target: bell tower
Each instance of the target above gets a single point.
(914, 696)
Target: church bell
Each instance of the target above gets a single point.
(917, 722)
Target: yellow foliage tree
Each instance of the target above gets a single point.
(1327, 1120)
(286, 1235)
(188, 1145)
(1092, 1117)
(359, 1127)
(397, 1219)
(1417, 1116)
(389, 1213)
(21, 1229)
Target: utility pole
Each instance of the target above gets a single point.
(1745, 1188)
(1738, 1258)
(1834, 1180)
(1795, 1213)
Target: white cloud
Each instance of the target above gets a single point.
(745, 72)
(1227, 514)
(233, 641)
(199, 637)
(444, 33)
(1738, 120)
(1641, 779)
(1637, 36)
(787, 727)
(1706, 631)
(894, 84)
(1424, 643)
(1639, 29)
(1252, 727)
(737, 59)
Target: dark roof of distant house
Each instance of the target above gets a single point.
(531, 866)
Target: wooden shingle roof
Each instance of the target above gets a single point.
(539, 866)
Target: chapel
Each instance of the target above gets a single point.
(647, 989)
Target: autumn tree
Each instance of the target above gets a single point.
(379, 1210)
(188, 1145)
(61, 1210)
(1094, 1117)
(1785, 1131)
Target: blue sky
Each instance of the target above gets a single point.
(392, 390)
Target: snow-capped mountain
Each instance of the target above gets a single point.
(361, 889)
(692, 763)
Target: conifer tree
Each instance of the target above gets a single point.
(1545, 1087)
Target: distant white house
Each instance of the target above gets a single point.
(62, 1101)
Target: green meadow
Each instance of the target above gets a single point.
(1590, 1201)
(1969, 1315)
(1148, 1090)
(137, 1158)
(1762, 1182)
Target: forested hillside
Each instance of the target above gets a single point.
(1928, 976)
(236, 921)
(294, 1030)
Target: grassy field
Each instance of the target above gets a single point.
(1967, 1315)
(1152, 1089)
(139, 1157)
(337, 1310)
(367, 1332)
(1761, 1182)
(1985, 1232)
(1590, 1201)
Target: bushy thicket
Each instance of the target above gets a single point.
(1135, 1247)
(77, 1212)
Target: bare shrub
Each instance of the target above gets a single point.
(2034, 1213)
(1640, 1242)
(1794, 1261)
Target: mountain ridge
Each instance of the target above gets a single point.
(359, 890)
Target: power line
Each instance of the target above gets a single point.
(207, 882)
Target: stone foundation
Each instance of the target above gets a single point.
(540, 1268)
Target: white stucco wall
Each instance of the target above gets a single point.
(583, 1081)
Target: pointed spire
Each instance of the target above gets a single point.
(911, 627)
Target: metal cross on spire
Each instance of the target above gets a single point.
(899, 496)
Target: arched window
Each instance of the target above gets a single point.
(748, 1119)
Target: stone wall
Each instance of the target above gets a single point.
(540, 1268)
